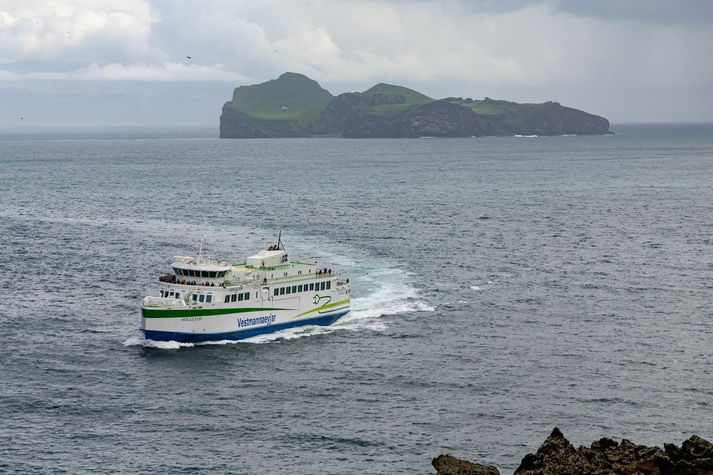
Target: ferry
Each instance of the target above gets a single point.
(204, 299)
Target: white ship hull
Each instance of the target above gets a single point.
(208, 300)
(165, 319)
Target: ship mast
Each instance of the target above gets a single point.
(279, 241)
(200, 242)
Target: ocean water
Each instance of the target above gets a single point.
(502, 286)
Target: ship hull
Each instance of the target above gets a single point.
(234, 326)
(241, 334)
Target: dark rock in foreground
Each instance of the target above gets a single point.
(449, 465)
(605, 456)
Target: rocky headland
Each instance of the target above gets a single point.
(294, 105)
(605, 456)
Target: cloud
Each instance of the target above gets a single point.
(656, 11)
(76, 30)
(606, 55)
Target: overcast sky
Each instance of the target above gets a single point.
(94, 62)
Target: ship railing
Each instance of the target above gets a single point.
(297, 278)
(163, 302)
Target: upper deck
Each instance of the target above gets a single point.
(264, 268)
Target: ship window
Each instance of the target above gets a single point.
(195, 297)
(170, 294)
(282, 291)
(177, 270)
(178, 295)
(322, 285)
(289, 290)
(213, 274)
(227, 298)
(299, 288)
(201, 298)
(208, 298)
(294, 289)
(162, 293)
(329, 284)
(311, 286)
(234, 297)
(274, 292)
(299, 272)
(247, 295)
(189, 273)
(240, 297)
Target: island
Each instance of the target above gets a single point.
(294, 105)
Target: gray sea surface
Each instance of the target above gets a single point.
(501, 287)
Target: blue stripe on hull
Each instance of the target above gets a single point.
(238, 335)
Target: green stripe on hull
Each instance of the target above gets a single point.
(324, 307)
(200, 312)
